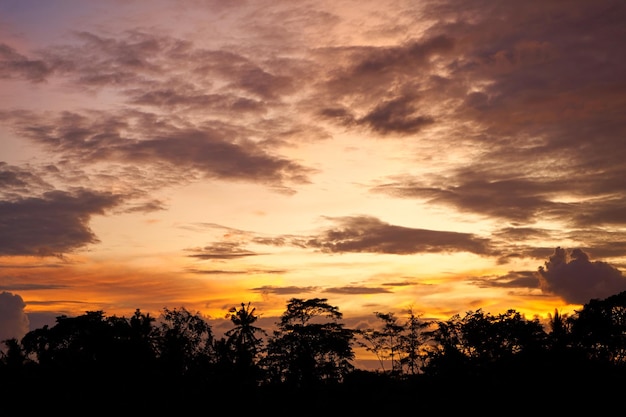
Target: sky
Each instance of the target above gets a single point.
(439, 156)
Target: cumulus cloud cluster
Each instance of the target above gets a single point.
(14, 323)
(577, 279)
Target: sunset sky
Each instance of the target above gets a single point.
(384, 155)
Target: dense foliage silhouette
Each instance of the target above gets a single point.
(175, 364)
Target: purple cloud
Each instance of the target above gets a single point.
(13, 321)
(577, 279)
(52, 224)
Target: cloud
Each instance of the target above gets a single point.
(195, 110)
(290, 290)
(52, 224)
(216, 150)
(513, 279)
(577, 280)
(602, 211)
(189, 98)
(356, 290)
(515, 199)
(396, 115)
(530, 118)
(370, 71)
(98, 61)
(16, 65)
(383, 86)
(222, 250)
(13, 321)
(17, 181)
(166, 72)
(235, 272)
(357, 234)
(40, 319)
(369, 234)
(24, 286)
(146, 206)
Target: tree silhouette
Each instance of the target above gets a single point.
(384, 343)
(243, 345)
(404, 344)
(310, 345)
(116, 363)
(13, 359)
(76, 343)
(414, 343)
(481, 344)
(599, 329)
(185, 341)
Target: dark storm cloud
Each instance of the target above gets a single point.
(16, 65)
(369, 234)
(576, 279)
(53, 224)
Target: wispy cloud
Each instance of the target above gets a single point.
(15, 65)
(369, 234)
(356, 290)
(222, 250)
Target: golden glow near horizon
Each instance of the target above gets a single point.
(387, 157)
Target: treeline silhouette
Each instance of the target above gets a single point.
(97, 364)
